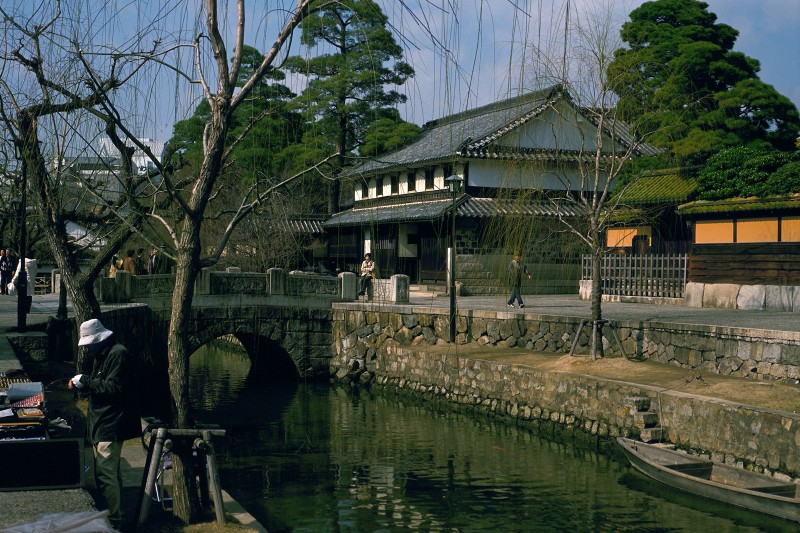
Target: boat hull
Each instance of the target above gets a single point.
(735, 486)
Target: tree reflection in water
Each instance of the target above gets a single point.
(315, 457)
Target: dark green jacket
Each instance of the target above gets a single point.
(113, 414)
(515, 272)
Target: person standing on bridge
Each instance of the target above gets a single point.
(158, 263)
(367, 268)
(130, 263)
(112, 417)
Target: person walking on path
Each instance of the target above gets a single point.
(515, 272)
(8, 264)
(367, 268)
(112, 416)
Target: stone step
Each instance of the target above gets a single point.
(639, 403)
(646, 419)
(653, 434)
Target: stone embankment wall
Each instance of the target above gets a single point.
(758, 439)
(740, 352)
(388, 345)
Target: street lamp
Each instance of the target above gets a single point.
(454, 184)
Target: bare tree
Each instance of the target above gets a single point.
(606, 146)
(49, 94)
(59, 79)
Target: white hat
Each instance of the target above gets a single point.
(92, 332)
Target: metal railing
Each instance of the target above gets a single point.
(651, 275)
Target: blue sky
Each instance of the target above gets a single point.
(488, 47)
(487, 40)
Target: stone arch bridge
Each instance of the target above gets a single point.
(283, 320)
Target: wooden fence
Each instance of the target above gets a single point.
(652, 275)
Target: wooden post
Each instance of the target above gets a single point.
(154, 460)
(213, 478)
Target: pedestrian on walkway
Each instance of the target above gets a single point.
(159, 264)
(116, 265)
(31, 269)
(8, 264)
(112, 417)
(515, 272)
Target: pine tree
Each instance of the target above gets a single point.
(698, 94)
(347, 82)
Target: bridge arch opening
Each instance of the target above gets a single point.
(270, 361)
(218, 373)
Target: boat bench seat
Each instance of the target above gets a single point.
(788, 490)
(701, 468)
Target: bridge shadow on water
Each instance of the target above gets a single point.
(238, 386)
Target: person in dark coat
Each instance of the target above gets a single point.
(515, 272)
(112, 417)
(8, 264)
(159, 264)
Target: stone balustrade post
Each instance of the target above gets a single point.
(55, 280)
(202, 285)
(233, 270)
(277, 281)
(348, 286)
(398, 289)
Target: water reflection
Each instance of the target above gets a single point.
(320, 458)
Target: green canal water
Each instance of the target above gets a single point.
(320, 458)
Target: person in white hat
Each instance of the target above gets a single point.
(112, 416)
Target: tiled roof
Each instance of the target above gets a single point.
(446, 137)
(467, 207)
(305, 226)
(660, 188)
(741, 205)
(472, 134)
(489, 207)
(416, 211)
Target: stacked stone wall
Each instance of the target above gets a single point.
(739, 352)
(757, 439)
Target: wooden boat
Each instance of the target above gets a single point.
(736, 486)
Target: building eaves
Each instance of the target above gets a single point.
(309, 227)
(733, 206)
(504, 207)
(535, 154)
(410, 212)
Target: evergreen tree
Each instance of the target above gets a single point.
(270, 126)
(742, 172)
(347, 82)
(706, 96)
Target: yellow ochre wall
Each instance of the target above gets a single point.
(747, 230)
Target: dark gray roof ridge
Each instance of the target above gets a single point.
(495, 107)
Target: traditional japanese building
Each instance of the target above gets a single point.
(515, 159)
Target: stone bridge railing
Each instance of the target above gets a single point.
(126, 288)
